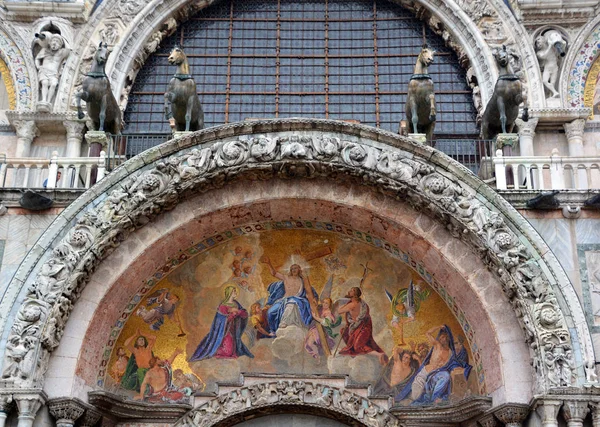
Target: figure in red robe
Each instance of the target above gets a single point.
(358, 332)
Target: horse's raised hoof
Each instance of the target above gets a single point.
(432, 118)
(80, 115)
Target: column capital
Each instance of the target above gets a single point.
(26, 129)
(527, 128)
(90, 417)
(547, 409)
(575, 410)
(512, 414)
(488, 420)
(29, 403)
(6, 401)
(65, 410)
(575, 128)
(74, 128)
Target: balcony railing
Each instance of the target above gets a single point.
(546, 172)
(56, 172)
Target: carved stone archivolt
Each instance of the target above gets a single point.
(157, 180)
(289, 392)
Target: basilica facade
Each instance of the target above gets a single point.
(300, 212)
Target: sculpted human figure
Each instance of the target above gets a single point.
(548, 56)
(48, 63)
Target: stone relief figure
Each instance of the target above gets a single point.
(549, 48)
(182, 105)
(503, 108)
(48, 62)
(420, 103)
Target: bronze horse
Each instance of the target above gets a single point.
(503, 108)
(101, 104)
(182, 105)
(420, 103)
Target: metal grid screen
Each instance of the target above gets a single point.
(347, 60)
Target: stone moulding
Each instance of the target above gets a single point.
(286, 393)
(53, 274)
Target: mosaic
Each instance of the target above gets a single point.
(12, 57)
(293, 298)
(591, 96)
(580, 71)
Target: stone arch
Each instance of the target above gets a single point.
(42, 294)
(285, 396)
(20, 67)
(580, 58)
(455, 20)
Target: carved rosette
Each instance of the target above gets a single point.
(146, 194)
(288, 392)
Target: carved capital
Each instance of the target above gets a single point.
(26, 129)
(574, 129)
(527, 128)
(512, 414)
(575, 411)
(65, 410)
(595, 408)
(488, 420)
(74, 128)
(6, 402)
(548, 412)
(506, 140)
(29, 403)
(96, 137)
(90, 418)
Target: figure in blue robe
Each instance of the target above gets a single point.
(278, 302)
(224, 340)
(438, 383)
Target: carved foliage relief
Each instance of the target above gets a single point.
(230, 289)
(144, 194)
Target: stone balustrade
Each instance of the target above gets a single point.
(547, 172)
(28, 172)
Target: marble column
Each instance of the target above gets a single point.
(66, 411)
(26, 131)
(575, 412)
(574, 131)
(512, 414)
(548, 412)
(6, 403)
(526, 134)
(29, 404)
(74, 137)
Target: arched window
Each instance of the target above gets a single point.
(337, 59)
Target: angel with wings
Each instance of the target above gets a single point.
(405, 304)
(325, 316)
(165, 303)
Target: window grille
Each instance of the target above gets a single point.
(347, 60)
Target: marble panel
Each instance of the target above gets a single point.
(558, 236)
(587, 231)
(589, 269)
